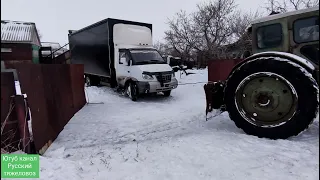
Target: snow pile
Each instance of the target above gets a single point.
(168, 138)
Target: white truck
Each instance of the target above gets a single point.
(119, 53)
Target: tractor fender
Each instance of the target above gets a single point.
(292, 57)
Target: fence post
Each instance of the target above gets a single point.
(20, 106)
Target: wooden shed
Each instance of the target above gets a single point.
(20, 42)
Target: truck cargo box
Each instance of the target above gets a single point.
(93, 46)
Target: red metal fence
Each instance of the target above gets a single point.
(55, 92)
(218, 70)
(18, 52)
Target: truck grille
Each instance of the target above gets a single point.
(165, 78)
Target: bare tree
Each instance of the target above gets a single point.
(210, 32)
(282, 6)
(213, 20)
(274, 6)
(159, 46)
(182, 37)
(163, 48)
(310, 3)
(240, 26)
(222, 26)
(241, 21)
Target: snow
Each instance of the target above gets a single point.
(51, 44)
(16, 31)
(18, 88)
(288, 55)
(169, 138)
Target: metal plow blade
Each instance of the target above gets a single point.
(214, 98)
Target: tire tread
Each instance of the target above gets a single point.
(303, 117)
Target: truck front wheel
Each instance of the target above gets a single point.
(91, 80)
(167, 93)
(87, 81)
(132, 91)
(271, 97)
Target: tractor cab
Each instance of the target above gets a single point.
(295, 32)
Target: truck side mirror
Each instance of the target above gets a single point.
(122, 60)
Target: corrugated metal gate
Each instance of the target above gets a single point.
(54, 94)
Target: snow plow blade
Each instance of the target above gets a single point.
(214, 97)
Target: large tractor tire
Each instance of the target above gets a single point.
(271, 97)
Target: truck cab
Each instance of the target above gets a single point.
(138, 63)
(144, 67)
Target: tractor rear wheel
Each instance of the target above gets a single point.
(271, 97)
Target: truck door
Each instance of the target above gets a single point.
(123, 71)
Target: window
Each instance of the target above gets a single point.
(123, 54)
(306, 30)
(269, 36)
(6, 50)
(146, 56)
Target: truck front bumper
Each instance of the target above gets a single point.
(152, 87)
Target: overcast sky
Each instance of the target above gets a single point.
(55, 18)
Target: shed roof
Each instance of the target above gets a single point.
(19, 32)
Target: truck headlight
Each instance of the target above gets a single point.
(146, 76)
(173, 74)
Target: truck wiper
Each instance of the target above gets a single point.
(158, 61)
(151, 61)
(143, 62)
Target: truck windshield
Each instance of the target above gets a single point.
(141, 57)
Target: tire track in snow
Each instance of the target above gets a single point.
(154, 132)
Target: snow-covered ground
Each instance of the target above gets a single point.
(168, 138)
